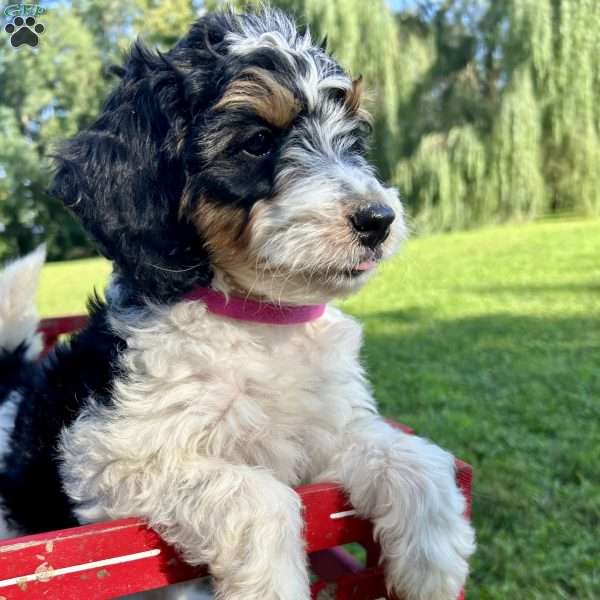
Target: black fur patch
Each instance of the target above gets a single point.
(53, 394)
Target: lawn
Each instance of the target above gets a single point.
(488, 343)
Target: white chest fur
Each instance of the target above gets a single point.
(195, 384)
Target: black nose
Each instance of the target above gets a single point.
(372, 224)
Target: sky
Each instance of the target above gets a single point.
(397, 4)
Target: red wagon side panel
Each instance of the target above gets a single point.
(95, 561)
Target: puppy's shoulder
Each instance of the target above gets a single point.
(340, 330)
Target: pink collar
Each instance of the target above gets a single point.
(245, 309)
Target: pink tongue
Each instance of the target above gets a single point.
(367, 265)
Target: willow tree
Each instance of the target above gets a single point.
(573, 112)
(551, 60)
(528, 125)
(446, 174)
(515, 186)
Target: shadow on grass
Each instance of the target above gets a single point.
(563, 288)
(519, 398)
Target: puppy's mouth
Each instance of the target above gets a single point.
(367, 264)
(355, 267)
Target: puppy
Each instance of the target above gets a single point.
(227, 181)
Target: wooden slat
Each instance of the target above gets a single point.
(111, 559)
(56, 326)
(95, 561)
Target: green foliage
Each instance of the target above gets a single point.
(163, 23)
(447, 172)
(573, 114)
(516, 187)
(521, 78)
(45, 96)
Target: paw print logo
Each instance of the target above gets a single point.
(24, 31)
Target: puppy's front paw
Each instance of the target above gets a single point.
(426, 558)
(435, 567)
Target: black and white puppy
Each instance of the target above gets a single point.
(235, 161)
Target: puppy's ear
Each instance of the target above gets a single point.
(124, 176)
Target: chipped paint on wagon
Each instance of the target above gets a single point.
(49, 544)
(42, 576)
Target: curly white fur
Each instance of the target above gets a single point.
(225, 417)
(18, 316)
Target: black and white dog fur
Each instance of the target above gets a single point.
(237, 161)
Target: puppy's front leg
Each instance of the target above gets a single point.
(240, 520)
(406, 486)
(246, 525)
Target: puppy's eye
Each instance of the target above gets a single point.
(260, 144)
(338, 95)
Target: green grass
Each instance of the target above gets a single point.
(489, 343)
(65, 287)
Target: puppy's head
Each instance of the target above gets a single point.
(237, 159)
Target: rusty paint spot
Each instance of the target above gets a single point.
(83, 577)
(44, 572)
(102, 573)
(50, 546)
(22, 583)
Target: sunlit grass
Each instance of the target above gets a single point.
(64, 287)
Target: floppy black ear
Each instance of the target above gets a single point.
(124, 176)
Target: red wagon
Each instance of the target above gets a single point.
(108, 560)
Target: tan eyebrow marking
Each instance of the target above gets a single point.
(259, 91)
(354, 98)
(354, 95)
